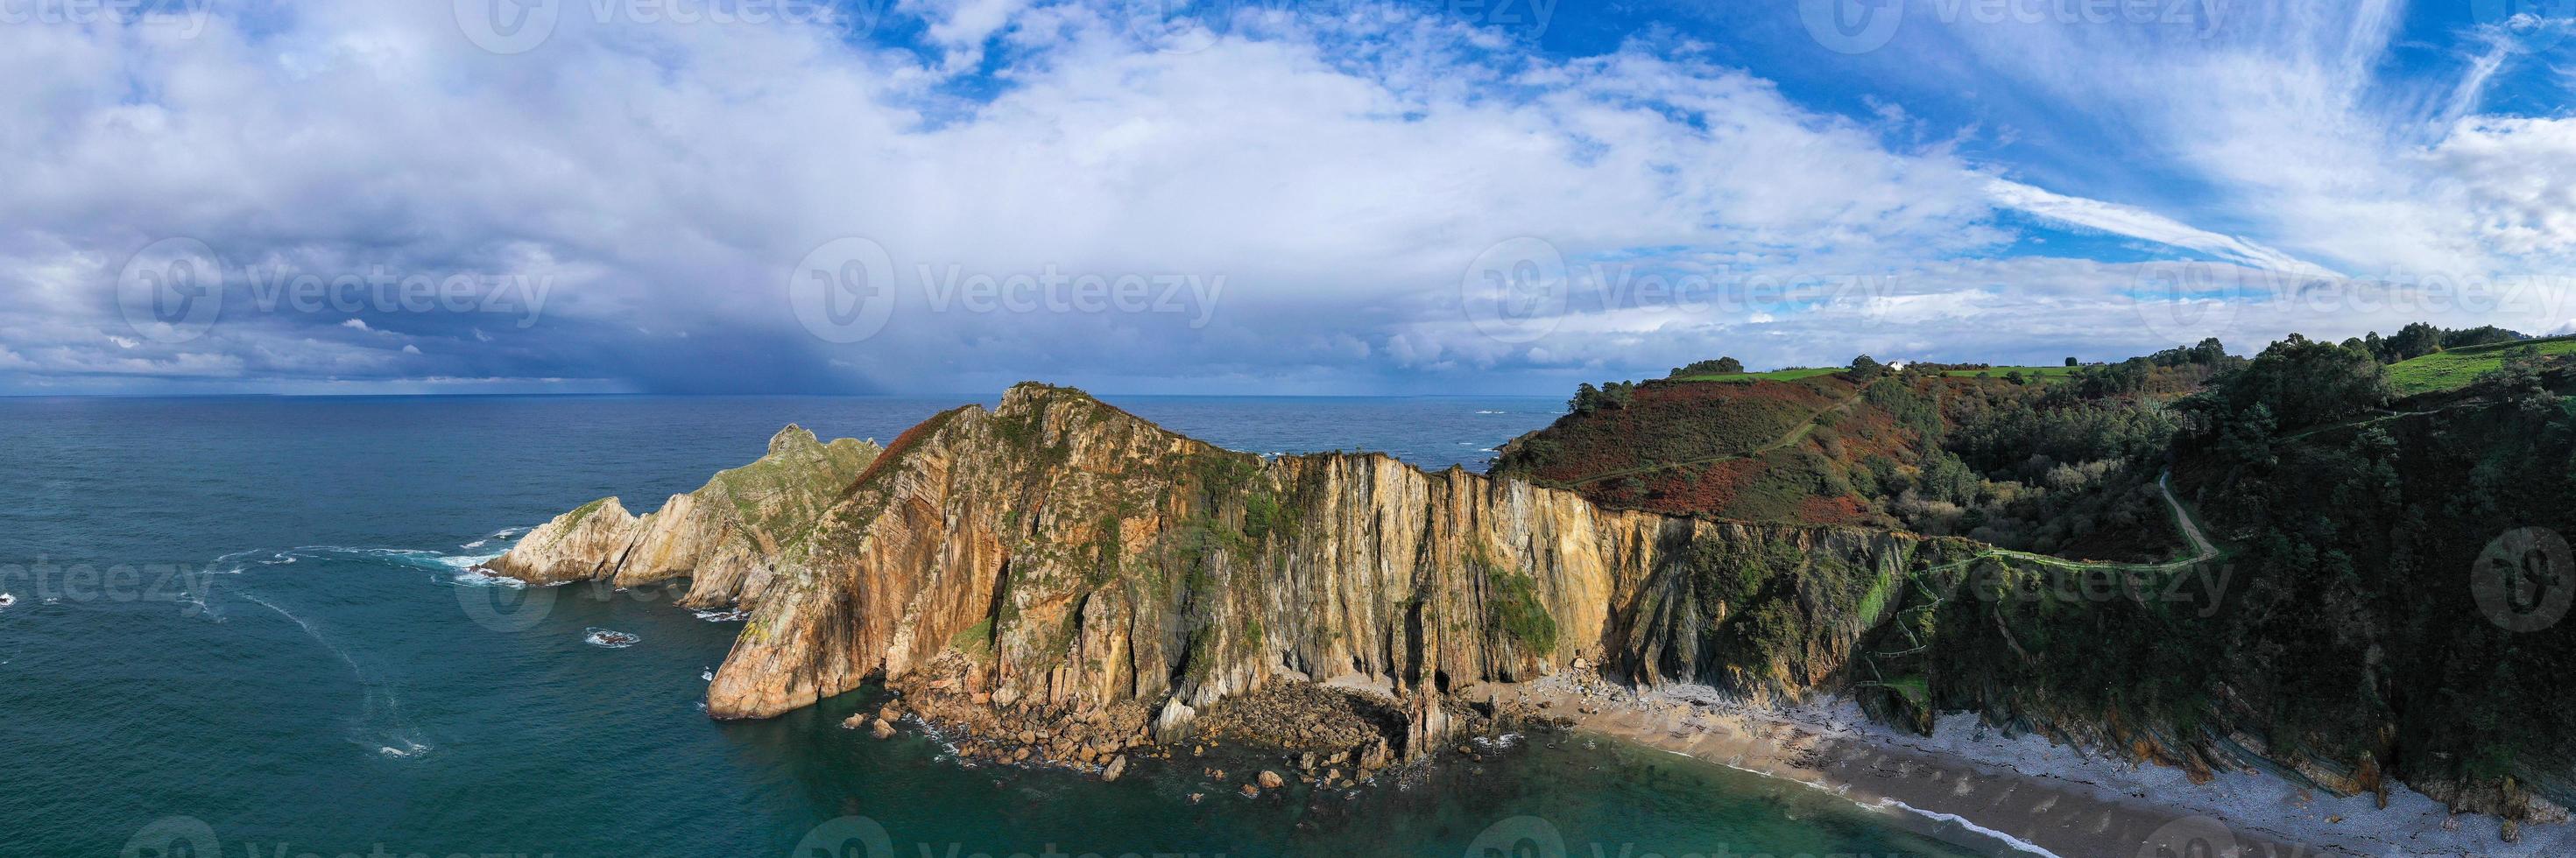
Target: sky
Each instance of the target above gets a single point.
(1249, 196)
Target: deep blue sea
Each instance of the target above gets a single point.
(243, 627)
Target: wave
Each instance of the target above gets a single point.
(609, 638)
(380, 720)
(473, 577)
(732, 616)
(405, 558)
(506, 534)
(241, 561)
(2016, 843)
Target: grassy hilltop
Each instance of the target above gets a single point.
(2457, 368)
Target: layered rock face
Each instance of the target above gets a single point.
(723, 537)
(1084, 558)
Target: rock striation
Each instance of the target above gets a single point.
(1082, 560)
(725, 537)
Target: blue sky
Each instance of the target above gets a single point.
(1256, 196)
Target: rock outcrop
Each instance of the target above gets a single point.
(724, 537)
(1081, 558)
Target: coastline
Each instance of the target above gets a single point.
(2039, 798)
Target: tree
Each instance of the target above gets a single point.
(1866, 369)
(2414, 341)
(1720, 366)
(2304, 382)
(2479, 336)
(2524, 379)
(2210, 351)
(2073, 362)
(1588, 399)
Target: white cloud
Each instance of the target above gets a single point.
(2519, 176)
(2305, 133)
(1341, 173)
(679, 174)
(2139, 223)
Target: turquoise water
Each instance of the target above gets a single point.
(243, 626)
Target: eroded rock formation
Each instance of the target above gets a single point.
(1084, 560)
(723, 537)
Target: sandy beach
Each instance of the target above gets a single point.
(2043, 799)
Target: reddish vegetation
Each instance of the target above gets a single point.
(894, 451)
(2056, 467)
(1680, 423)
(1841, 510)
(1699, 489)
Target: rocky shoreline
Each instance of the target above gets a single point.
(2045, 796)
(1322, 735)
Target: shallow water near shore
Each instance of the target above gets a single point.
(250, 620)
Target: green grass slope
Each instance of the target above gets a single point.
(2454, 369)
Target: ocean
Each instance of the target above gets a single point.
(245, 626)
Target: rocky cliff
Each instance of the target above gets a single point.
(725, 537)
(1057, 554)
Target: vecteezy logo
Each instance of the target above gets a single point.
(2190, 837)
(2536, 23)
(1852, 26)
(846, 837)
(2187, 301)
(1515, 292)
(844, 290)
(173, 837)
(1518, 837)
(507, 26)
(504, 606)
(2522, 582)
(171, 290)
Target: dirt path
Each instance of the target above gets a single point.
(2182, 518)
(2380, 415)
